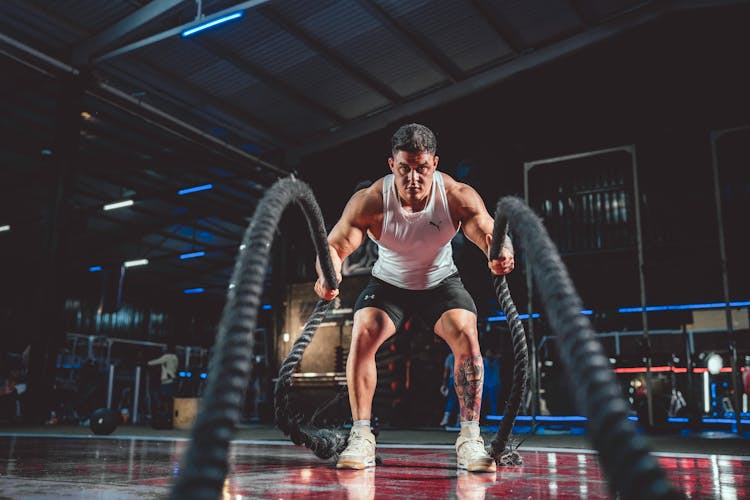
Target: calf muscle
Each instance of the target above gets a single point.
(469, 377)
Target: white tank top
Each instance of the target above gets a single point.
(414, 249)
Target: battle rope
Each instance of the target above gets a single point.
(632, 472)
(325, 443)
(205, 467)
(499, 448)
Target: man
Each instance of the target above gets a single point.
(412, 214)
(168, 363)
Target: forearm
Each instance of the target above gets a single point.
(336, 260)
(507, 244)
(156, 361)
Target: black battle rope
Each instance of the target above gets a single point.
(204, 468)
(499, 447)
(632, 472)
(325, 443)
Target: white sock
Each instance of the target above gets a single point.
(363, 423)
(466, 423)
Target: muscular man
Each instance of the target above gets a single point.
(412, 214)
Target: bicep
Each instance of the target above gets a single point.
(475, 219)
(350, 231)
(345, 238)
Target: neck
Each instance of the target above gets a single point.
(413, 205)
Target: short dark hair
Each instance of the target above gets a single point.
(413, 138)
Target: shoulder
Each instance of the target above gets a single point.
(370, 199)
(461, 197)
(365, 205)
(457, 190)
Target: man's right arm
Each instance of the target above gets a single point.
(345, 237)
(157, 361)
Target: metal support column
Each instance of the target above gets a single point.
(136, 394)
(110, 385)
(50, 335)
(725, 274)
(642, 282)
(534, 377)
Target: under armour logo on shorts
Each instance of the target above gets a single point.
(369, 297)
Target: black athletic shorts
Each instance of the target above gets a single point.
(401, 304)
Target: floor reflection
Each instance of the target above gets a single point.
(58, 467)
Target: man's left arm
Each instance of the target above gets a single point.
(478, 226)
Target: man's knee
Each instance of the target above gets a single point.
(468, 332)
(459, 328)
(368, 336)
(466, 343)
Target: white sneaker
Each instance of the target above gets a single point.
(470, 452)
(444, 422)
(360, 451)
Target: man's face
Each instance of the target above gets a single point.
(413, 174)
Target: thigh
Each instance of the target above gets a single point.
(383, 297)
(458, 327)
(447, 296)
(372, 326)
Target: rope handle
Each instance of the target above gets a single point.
(314, 217)
(499, 233)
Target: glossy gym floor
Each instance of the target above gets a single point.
(138, 463)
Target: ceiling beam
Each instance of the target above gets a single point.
(228, 211)
(269, 79)
(198, 102)
(583, 10)
(50, 65)
(410, 37)
(502, 27)
(83, 51)
(330, 54)
(175, 31)
(135, 232)
(185, 130)
(105, 253)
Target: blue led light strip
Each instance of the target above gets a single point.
(189, 291)
(192, 255)
(625, 310)
(578, 418)
(211, 24)
(685, 307)
(503, 318)
(195, 189)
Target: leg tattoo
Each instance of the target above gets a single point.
(468, 381)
